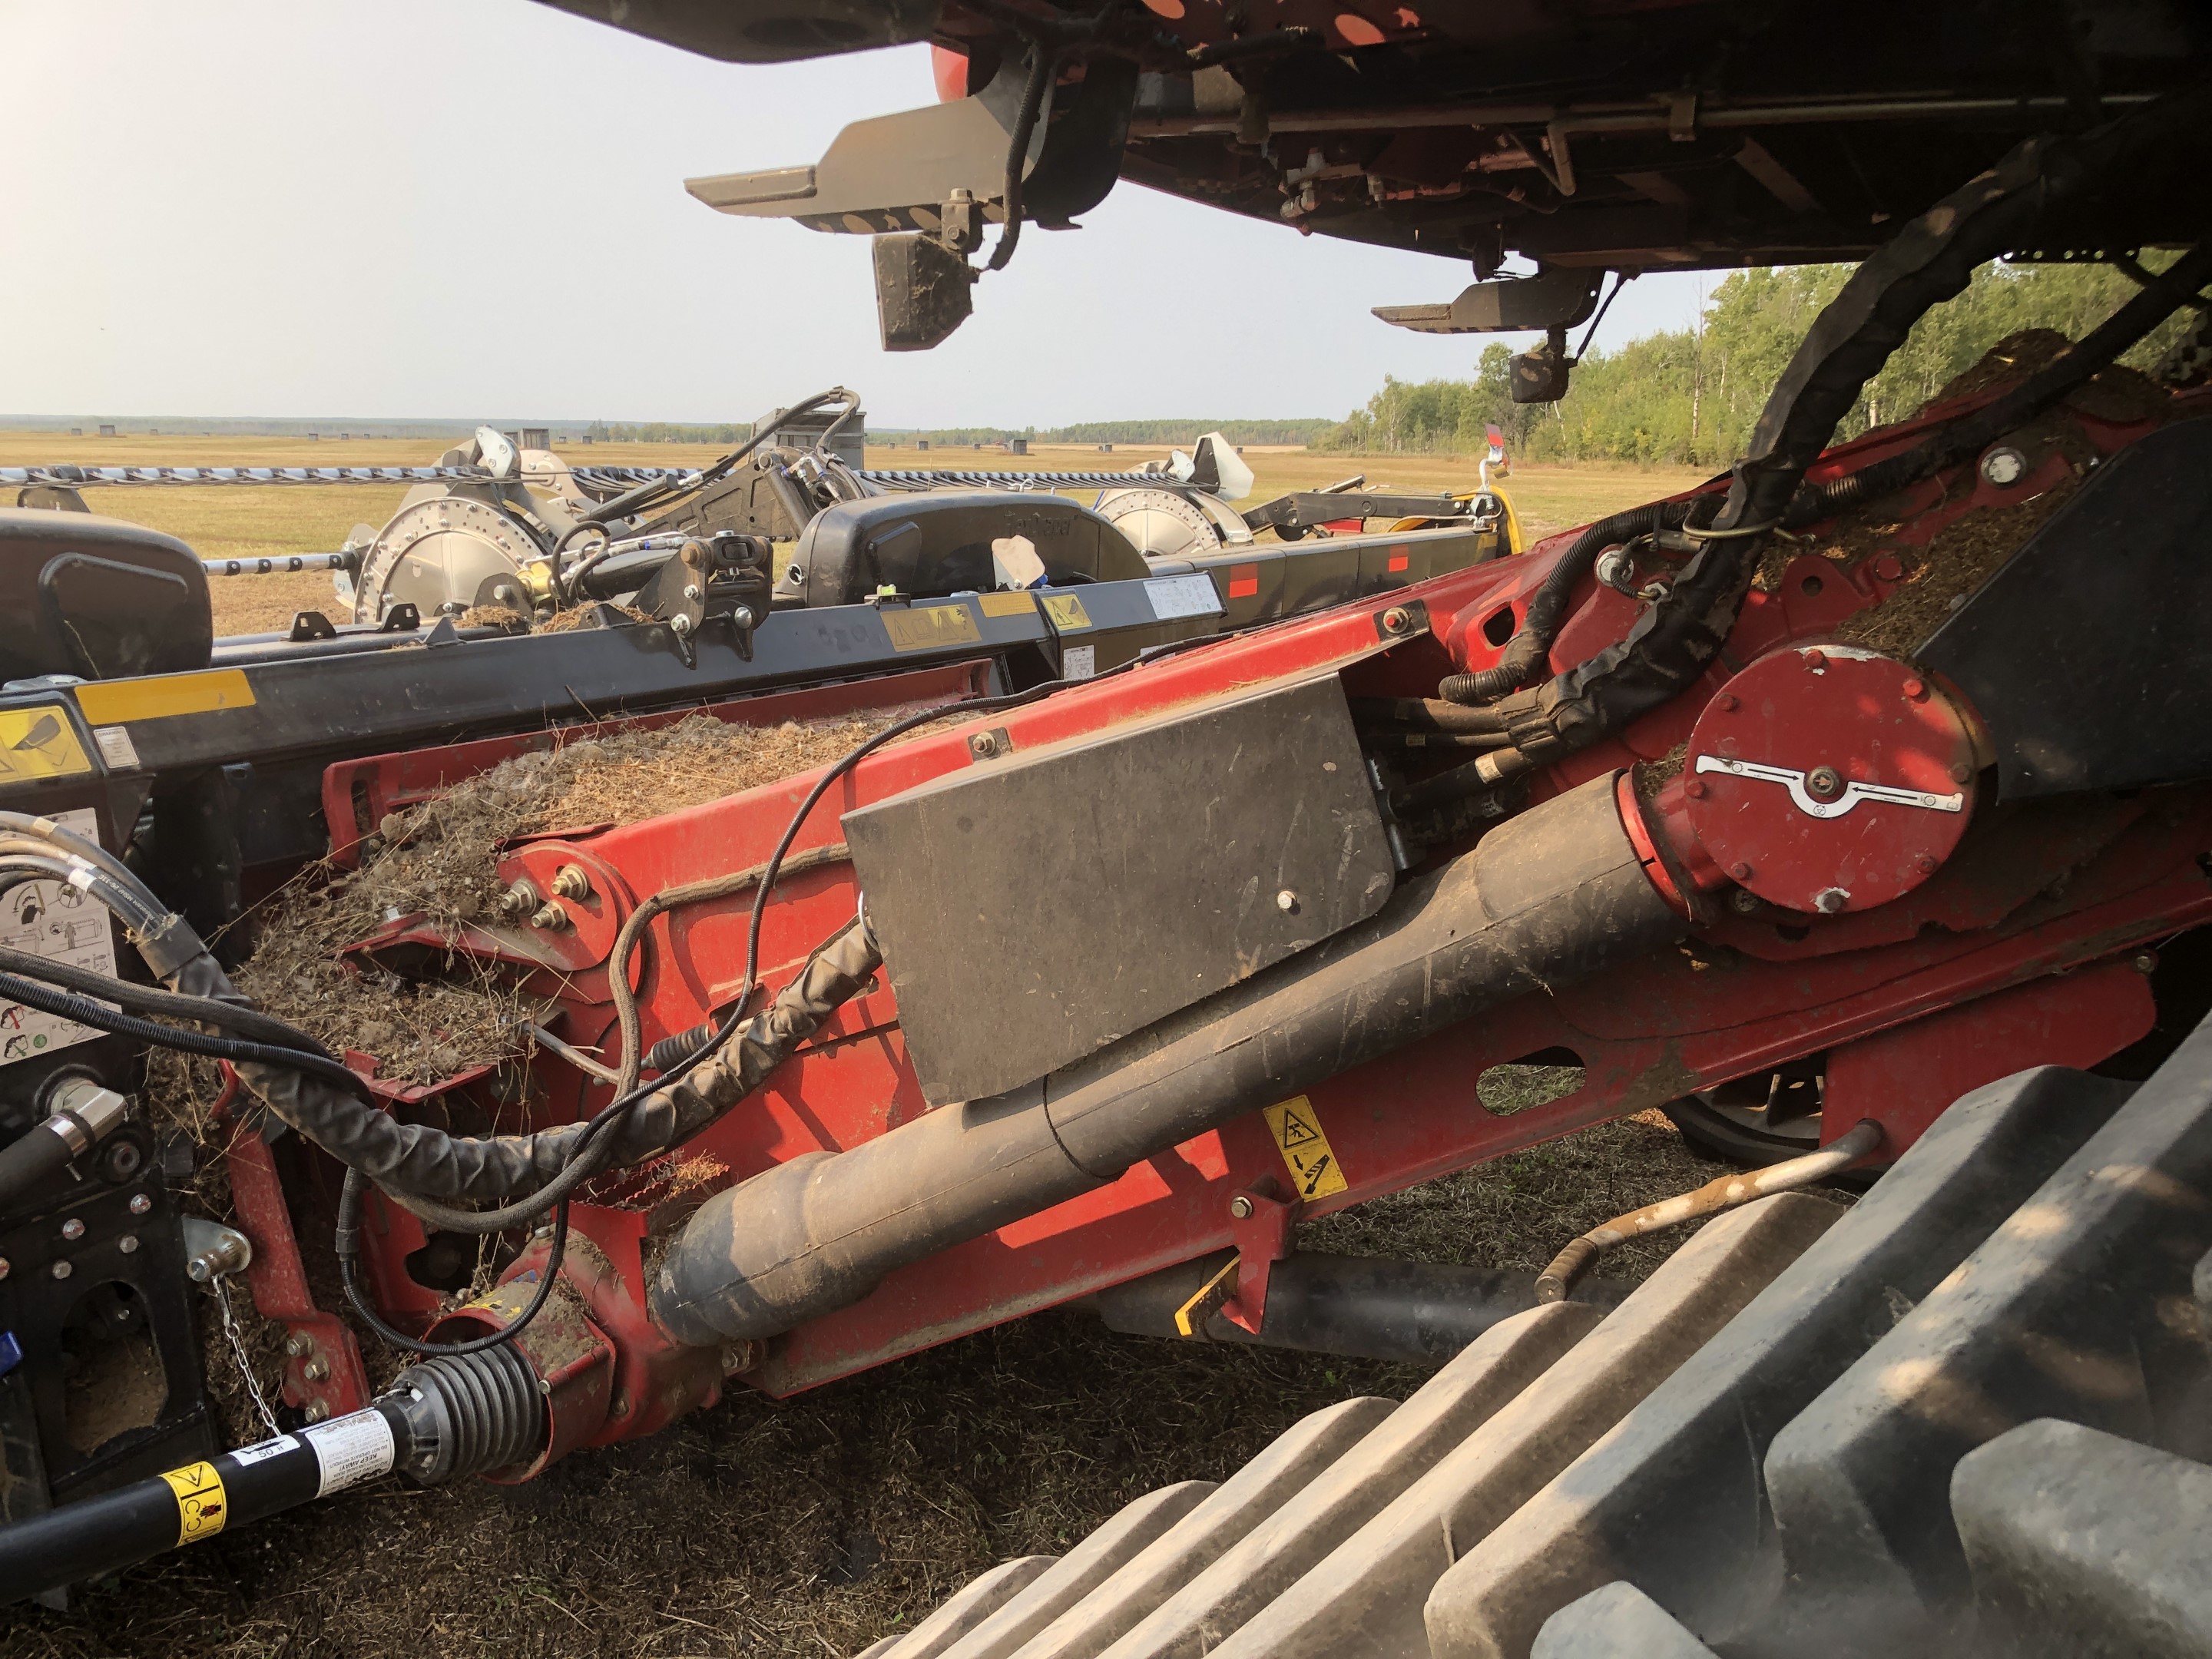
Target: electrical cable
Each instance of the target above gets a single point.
(1043, 67)
(348, 1248)
(248, 1023)
(33, 993)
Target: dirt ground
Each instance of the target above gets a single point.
(815, 1525)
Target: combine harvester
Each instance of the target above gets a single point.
(1856, 808)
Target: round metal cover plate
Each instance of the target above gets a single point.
(1827, 779)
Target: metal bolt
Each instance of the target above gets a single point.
(1829, 900)
(550, 917)
(1816, 659)
(1961, 772)
(1695, 788)
(1287, 900)
(680, 622)
(621, 1407)
(1241, 1207)
(128, 1244)
(299, 1343)
(63, 1270)
(518, 900)
(5, 1268)
(72, 1230)
(315, 1370)
(983, 745)
(1727, 702)
(1743, 901)
(1889, 568)
(1396, 620)
(795, 573)
(2146, 962)
(544, 1387)
(570, 881)
(742, 618)
(691, 593)
(2004, 466)
(1740, 871)
(1824, 783)
(1925, 864)
(1916, 689)
(140, 1204)
(316, 1412)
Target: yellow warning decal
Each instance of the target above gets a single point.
(1017, 603)
(157, 696)
(925, 627)
(1066, 610)
(39, 742)
(1297, 1128)
(202, 1504)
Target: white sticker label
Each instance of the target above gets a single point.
(56, 920)
(1078, 662)
(351, 1449)
(247, 1456)
(1183, 596)
(116, 748)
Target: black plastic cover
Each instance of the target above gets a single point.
(929, 545)
(2087, 651)
(97, 598)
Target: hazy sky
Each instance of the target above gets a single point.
(390, 207)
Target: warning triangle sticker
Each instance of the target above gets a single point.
(1295, 1130)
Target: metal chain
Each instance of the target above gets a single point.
(221, 1284)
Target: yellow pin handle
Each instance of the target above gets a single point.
(1185, 1322)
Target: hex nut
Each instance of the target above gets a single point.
(72, 1230)
(1743, 900)
(1396, 620)
(316, 1370)
(571, 881)
(550, 917)
(1830, 900)
(5, 1268)
(1241, 1207)
(518, 900)
(1824, 783)
(316, 1412)
(141, 1203)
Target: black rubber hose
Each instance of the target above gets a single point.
(31, 1162)
(1042, 67)
(347, 1250)
(31, 994)
(246, 1022)
(1931, 260)
(2166, 293)
(1526, 653)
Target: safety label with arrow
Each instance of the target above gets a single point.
(1297, 1132)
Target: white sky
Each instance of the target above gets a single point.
(402, 208)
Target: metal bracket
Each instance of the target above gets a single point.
(1259, 1224)
(1853, 792)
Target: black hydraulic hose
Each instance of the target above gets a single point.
(1525, 653)
(1423, 714)
(1043, 68)
(33, 1162)
(249, 1023)
(2159, 297)
(347, 1250)
(33, 993)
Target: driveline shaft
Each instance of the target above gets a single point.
(445, 1417)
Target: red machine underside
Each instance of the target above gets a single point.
(1992, 963)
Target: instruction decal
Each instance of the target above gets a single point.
(56, 920)
(1297, 1132)
(39, 742)
(927, 627)
(202, 1506)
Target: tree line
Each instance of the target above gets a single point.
(1690, 396)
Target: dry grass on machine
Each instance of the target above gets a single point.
(439, 860)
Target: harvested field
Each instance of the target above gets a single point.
(813, 1526)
